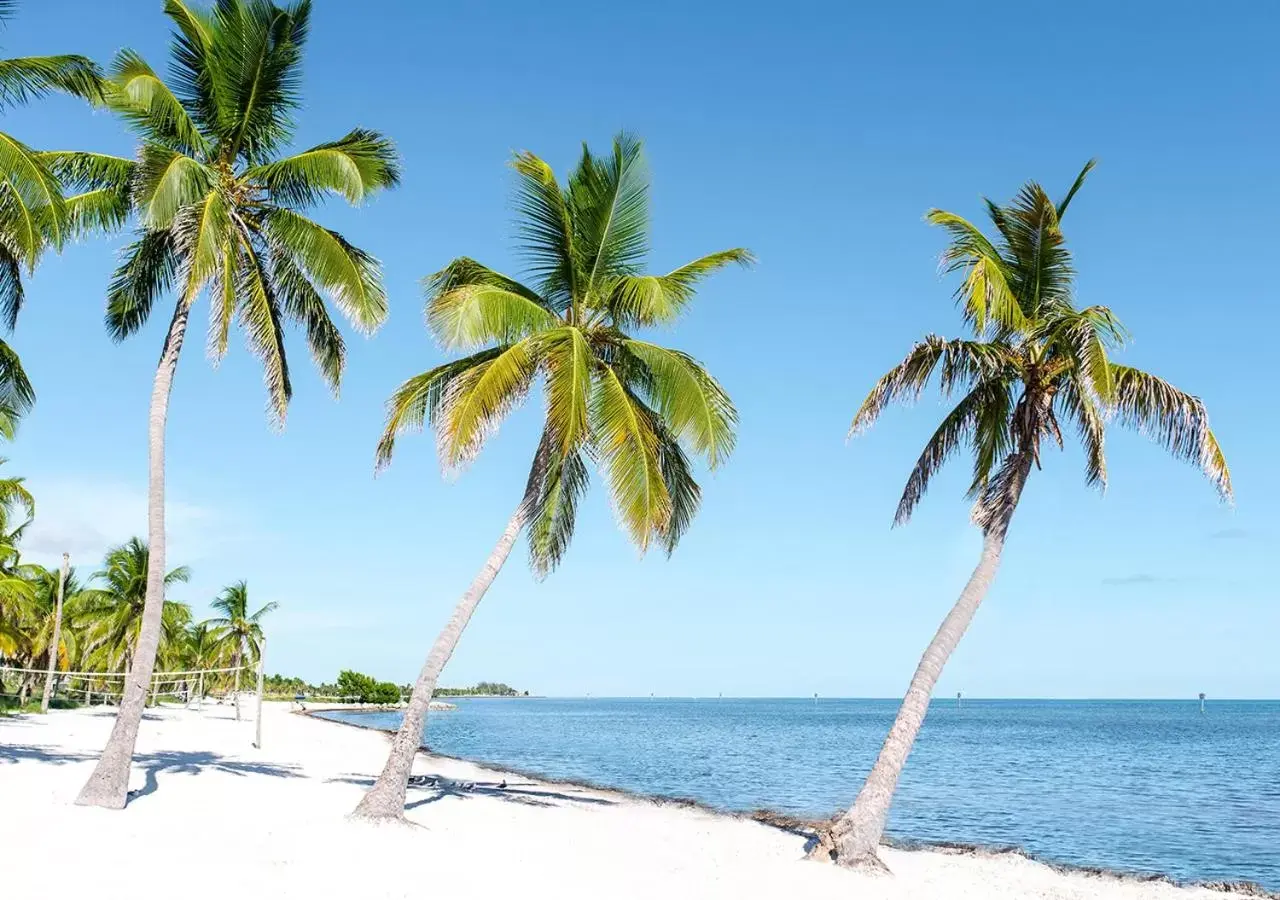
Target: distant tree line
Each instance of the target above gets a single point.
(356, 687)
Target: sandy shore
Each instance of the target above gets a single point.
(214, 817)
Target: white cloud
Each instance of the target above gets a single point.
(84, 516)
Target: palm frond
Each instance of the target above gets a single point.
(609, 207)
(469, 305)
(350, 276)
(1175, 420)
(949, 437)
(17, 396)
(146, 271)
(476, 401)
(627, 446)
(1078, 398)
(643, 300)
(354, 166)
(419, 400)
(261, 317)
(682, 489)
(259, 51)
(1075, 186)
(557, 483)
(985, 294)
(692, 404)
(546, 230)
(12, 293)
(33, 209)
(569, 364)
(25, 78)
(168, 180)
(139, 96)
(963, 363)
(303, 304)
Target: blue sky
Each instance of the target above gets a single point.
(817, 135)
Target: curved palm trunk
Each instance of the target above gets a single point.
(856, 835)
(386, 799)
(108, 786)
(57, 636)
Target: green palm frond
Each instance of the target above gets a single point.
(692, 404)
(640, 300)
(167, 181)
(303, 304)
(1075, 186)
(146, 271)
(546, 231)
(985, 294)
(139, 96)
(469, 306)
(17, 395)
(557, 483)
(609, 206)
(420, 400)
(263, 323)
(33, 209)
(569, 364)
(354, 166)
(352, 277)
(627, 445)
(26, 78)
(479, 398)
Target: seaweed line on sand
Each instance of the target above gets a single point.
(813, 829)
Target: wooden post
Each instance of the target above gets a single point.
(57, 636)
(200, 694)
(262, 652)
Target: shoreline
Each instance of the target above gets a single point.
(809, 828)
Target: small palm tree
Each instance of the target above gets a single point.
(1036, 363)
(630, 406)
(111, 617)
(34, 213)
(220, 210)
(237, 631)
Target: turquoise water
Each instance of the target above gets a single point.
(1140, 786)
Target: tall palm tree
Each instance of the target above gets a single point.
(220, 207)
(237, 630)
(113, 617)
(34, 213)
(631, 406)
(1036, 363)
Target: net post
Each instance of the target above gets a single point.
(57, 636)
(237, 690)
(262, 652)
(200, 694)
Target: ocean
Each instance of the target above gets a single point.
(1135, 786)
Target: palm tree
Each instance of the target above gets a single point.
(219, 208)
(631, 406)
(34, 213)
(237, 630)
(1035, 364)
(112, 617)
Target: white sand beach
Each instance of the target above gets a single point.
(214, 817)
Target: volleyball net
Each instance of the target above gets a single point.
(190, 688)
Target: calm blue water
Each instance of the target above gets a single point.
(1144, 786)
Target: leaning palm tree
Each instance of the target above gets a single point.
(221, 209)
(1036, 363)
(631, 406)
(238, 630)
(34, 214)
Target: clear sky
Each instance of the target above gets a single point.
(817, 135)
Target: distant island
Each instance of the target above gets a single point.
(483, 689)
(356, 687)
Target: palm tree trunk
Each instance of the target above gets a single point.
(856, 836)
(235, 664)
(386, 799)
(57, 636)
(108, 786)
